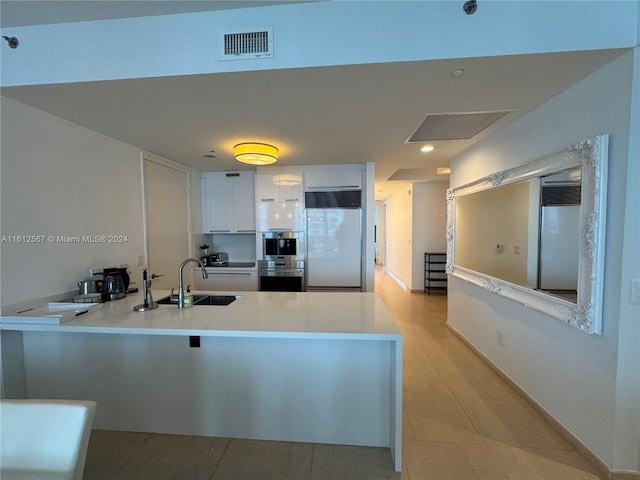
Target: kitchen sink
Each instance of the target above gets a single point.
(201, 300)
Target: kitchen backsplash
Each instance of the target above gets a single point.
(240, 247)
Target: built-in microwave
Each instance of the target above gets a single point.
(282, 245)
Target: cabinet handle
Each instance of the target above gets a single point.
(219, 231)
(290, 199)
(333, 187)
(221, 274)
(268, 199)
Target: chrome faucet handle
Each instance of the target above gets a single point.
(148, 303)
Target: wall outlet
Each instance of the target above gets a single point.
(140, 260)
(516, 250)
(500, 338)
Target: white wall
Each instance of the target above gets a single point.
(311, 34)
(429, 226)
(400, 235)
(626, 448)
(416, 219)
(60, 179)
(574, 376)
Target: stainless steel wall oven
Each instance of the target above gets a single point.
(282, 266)
(281, 276)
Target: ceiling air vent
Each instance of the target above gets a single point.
(245, 45)
(455, 126)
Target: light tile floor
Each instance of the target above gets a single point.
(460, 422)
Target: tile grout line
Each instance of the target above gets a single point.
(226, 449)
(124, 466)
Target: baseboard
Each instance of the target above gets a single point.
(397, 280)
(602, 468)
(618, 475)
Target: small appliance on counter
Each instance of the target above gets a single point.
(204, 255)
(219, 258)
(89, 291)
(122, 271)
(115, 283)
(113, 287)
(88, 286)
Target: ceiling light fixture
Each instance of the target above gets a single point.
(443, 171)
(427, 148)
(254, 153)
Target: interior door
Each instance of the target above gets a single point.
(167, 221)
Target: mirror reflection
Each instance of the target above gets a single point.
(526, 232)
(535, 233)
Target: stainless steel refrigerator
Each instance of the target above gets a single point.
(333, 240)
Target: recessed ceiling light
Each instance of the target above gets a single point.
(458, 72)
(427, 148)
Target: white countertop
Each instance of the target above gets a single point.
(327, 315)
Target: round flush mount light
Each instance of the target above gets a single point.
(427, 148)
(457, 73)
(255, 153)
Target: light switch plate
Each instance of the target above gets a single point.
(635, 290)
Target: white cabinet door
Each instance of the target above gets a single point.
(267, 188)
(244, 203)
(325, 179)
(217, 194)
(280, 202)
(228, 202)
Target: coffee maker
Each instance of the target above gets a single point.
(204, 255)
(116, 282)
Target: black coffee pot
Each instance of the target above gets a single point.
(116, 282)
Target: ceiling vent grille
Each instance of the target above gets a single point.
(244, 45)
(455, 126)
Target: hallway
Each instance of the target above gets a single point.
(460, 422)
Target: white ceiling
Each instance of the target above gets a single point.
(344, 114)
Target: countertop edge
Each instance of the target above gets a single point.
(116, 330)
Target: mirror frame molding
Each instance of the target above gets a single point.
(586, 314)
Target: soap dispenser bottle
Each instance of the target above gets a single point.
(188, 297)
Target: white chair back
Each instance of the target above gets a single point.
(44, 439)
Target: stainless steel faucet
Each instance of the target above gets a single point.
(180, 281)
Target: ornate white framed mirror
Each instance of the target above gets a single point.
(535, 233)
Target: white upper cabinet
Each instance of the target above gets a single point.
(333, 178)
(228, 202)
(280, 200)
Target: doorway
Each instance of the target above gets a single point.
(167, 219)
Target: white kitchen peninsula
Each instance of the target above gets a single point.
(308, 367)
